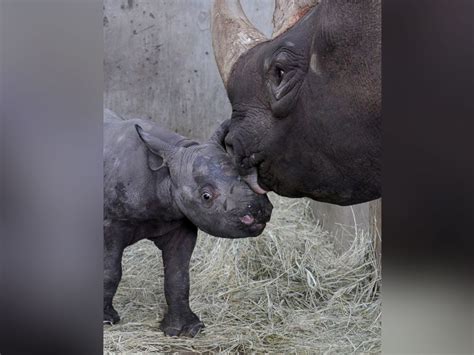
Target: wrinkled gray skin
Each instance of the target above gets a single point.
(162, 187)
(306, 106)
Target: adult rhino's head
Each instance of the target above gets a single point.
(306, 104)
(207, 188)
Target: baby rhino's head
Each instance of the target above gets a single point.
(208, 189)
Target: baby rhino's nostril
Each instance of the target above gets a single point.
(262, 215)
(265, 213)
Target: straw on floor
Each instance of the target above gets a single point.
(286, 291)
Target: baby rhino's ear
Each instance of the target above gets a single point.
(160, 152)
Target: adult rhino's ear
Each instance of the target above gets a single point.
(219, 135)
(160, 152)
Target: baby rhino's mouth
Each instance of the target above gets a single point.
(249, 221)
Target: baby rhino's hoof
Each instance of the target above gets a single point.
(111, 316)
(190, 330)
(187, 327)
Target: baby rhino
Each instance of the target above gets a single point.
(161, 186)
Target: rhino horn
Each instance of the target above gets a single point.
(232, 35)
(288, 12)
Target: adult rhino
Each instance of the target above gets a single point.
(306, 104)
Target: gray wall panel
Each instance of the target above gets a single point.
(159, 62)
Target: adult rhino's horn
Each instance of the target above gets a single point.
(232, 35)
(288, 12)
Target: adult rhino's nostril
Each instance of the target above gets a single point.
(247, 219)
(229, 147)
(253, 160)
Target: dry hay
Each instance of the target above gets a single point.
(286, 291)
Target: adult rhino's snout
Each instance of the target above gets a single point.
(248, 170)
(252, 180)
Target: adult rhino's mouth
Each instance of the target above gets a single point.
(252, 180)
(247, 164)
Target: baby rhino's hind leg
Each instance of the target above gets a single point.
(177, 247)
(116, 236)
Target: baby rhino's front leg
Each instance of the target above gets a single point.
(177, 247)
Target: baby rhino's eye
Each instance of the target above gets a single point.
(206, 196)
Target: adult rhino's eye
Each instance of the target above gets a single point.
(279, 74)
(206, 196)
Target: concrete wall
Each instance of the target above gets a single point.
(344, 222)
(159, 64)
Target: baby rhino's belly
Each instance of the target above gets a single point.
(154, 229)
(133, 231)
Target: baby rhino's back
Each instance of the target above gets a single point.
(114, 125)
(131, 189)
